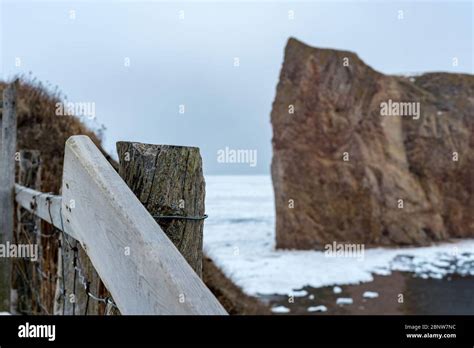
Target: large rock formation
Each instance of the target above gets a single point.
(344, 170)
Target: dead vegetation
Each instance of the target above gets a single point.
(39, 128)
(234, 300)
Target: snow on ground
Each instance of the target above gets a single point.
(320, 308)
(239, 237)
(300, 293)
(344, 301)
(280, 309)
(370, 294)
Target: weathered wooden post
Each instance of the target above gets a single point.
(169, 182)
(7, 182)
(28, 275)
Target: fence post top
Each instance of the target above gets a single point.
(74, 138)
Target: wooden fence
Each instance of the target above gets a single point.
(140, 266)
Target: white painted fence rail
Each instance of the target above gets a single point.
(138, 264)
(44, 205)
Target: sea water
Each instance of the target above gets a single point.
(239, 236)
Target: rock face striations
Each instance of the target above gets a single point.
(362, 157)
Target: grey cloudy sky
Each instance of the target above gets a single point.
(190, 61)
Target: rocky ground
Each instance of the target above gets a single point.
(400, 293)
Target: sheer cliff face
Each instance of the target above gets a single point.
(353, 162)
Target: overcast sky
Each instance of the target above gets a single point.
(190, 61)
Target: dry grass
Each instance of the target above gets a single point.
(234, 300)
(39, 128)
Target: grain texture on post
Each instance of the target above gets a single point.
(168, 181)
(140, 266)
(7, 182)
